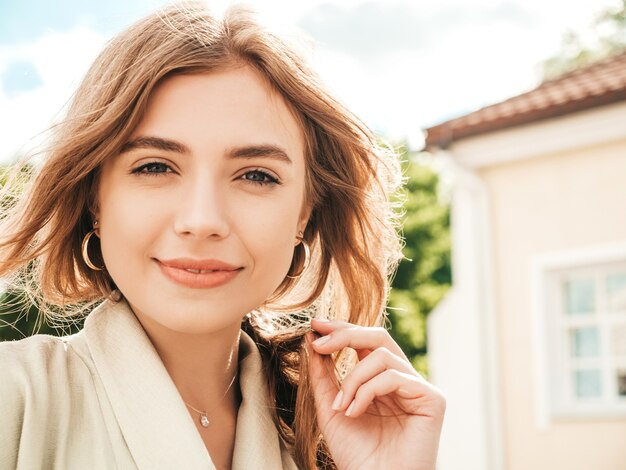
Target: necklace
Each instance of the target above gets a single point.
(204, 419)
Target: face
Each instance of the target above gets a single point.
(199, 213)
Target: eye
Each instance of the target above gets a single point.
(152, 169)
(260, 177)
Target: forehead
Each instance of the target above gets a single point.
(222, 109)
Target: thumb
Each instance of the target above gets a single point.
(322, 378)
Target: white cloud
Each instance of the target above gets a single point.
(61, 59)
(398, 92)
(470, 66)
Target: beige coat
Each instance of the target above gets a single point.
(103, 399)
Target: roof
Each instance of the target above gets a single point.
(598, 84)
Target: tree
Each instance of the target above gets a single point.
(19, 316)
(424, 276)
(607, 36)
(422, 279)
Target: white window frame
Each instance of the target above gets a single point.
(550, 354)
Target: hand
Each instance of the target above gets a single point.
(386, 415)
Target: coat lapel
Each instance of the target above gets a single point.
(155, 423)
(257, 438)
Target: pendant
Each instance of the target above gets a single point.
(204, 420)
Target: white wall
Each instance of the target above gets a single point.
(520, 193)
(461, 351)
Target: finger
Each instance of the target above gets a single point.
(321, 378)
(385, 383)
(421, 398)
(325, 326)
(357, 337)
(377, 362)
(388, 382)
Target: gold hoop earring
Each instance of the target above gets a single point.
(85, 246)
(307, 258)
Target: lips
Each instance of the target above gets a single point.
(198, 274)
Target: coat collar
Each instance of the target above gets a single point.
(156, 425)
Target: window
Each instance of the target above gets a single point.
(582, 331)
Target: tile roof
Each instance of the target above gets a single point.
(600, 83)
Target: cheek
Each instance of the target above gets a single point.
(128, 225)
(269, 236)
(272, 255)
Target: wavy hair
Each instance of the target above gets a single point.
(350, 179)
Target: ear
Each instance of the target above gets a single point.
(94, 211)
(93, 199)
(94, 222)
(305, 215)
(95, 217)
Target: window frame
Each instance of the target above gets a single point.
(551, 347)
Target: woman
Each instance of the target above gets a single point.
(215, 204)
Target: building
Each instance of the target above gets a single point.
(529, 345)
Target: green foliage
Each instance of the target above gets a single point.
(424, 276)
(420, 282)
(20, 318)
(607, 36)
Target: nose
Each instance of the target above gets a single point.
(202, 211)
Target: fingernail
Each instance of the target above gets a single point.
(350, 408)
(322, 320)
(320, 341)
(337, 402)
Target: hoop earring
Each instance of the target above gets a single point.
(86, 253)
(307, 258)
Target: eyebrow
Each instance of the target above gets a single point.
(245, 152)
(259, 151)
(158, 143)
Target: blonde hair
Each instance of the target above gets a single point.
(352, 232)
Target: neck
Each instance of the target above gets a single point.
(202, 366)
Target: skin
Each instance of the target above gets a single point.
(390, 415)
(202, 204)
(195, 200)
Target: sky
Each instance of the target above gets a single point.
(401, 65)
